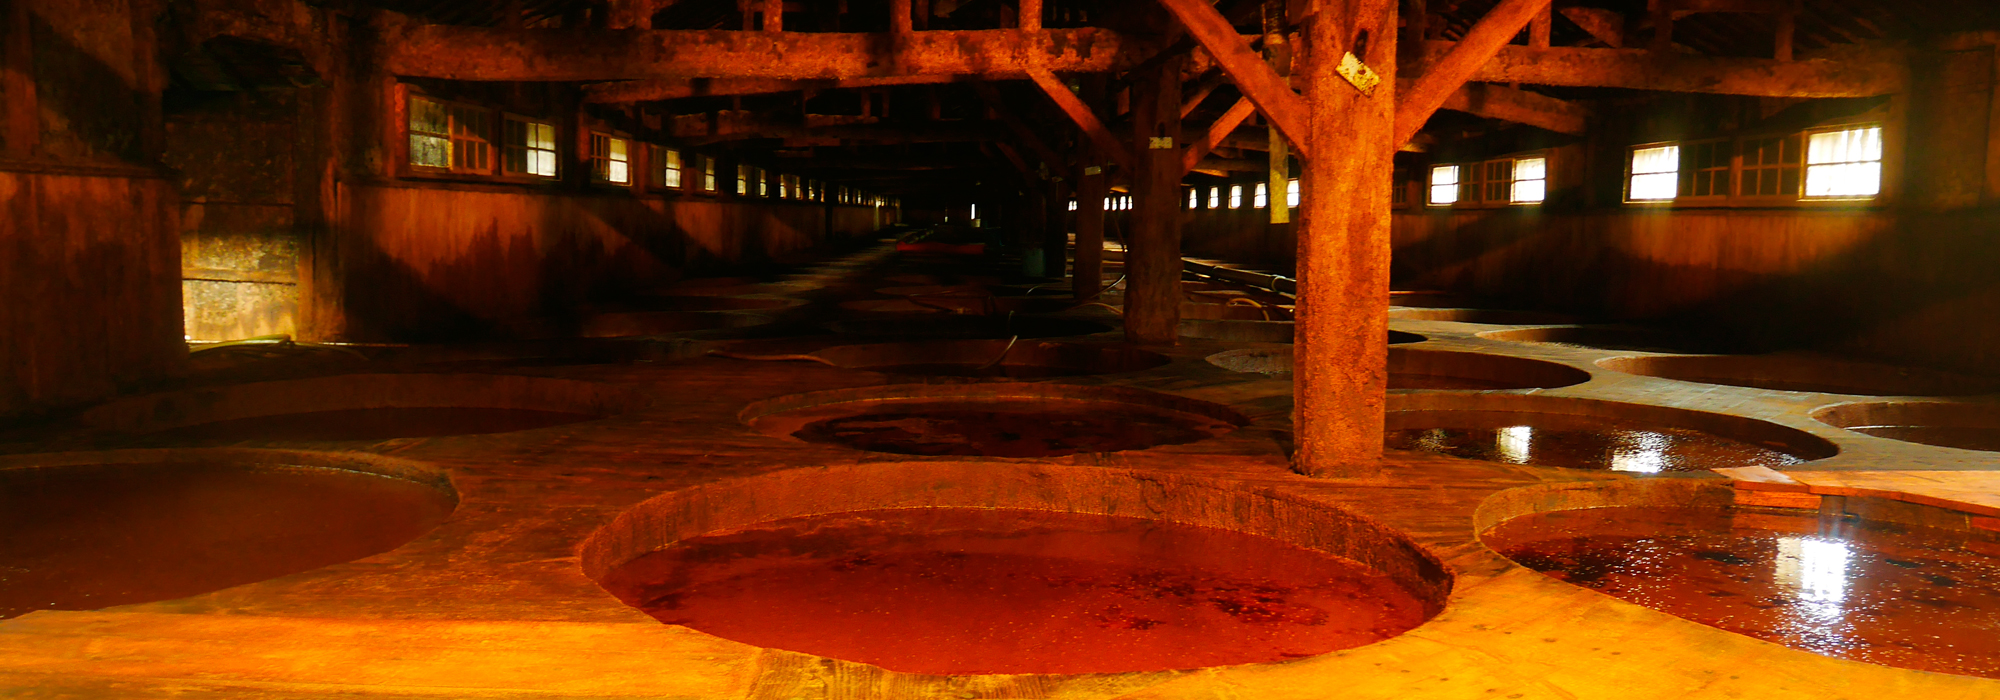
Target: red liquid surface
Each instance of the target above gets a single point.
(1907, 597)
(1583, 442)
(970, 591)
(377, 424)
(1010, 428)
(88, 537)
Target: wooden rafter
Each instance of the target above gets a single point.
(653, 90)
(1022, 133)
(486, 53)
(1271, 92)
(1861, 74)
(1217, 133)
(1448, 73)
(1107, 143)
(1519, 106)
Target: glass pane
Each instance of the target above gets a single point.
(544, 163)
(1659, 159)
(1654, 186)
(1444, 194)
(1531, 169)
(1444, 175)
(1236, 196)
(1850, 146)
(1526, 191)
(428, 117)
(431, 151)
(1844, 179)
(1292, 193)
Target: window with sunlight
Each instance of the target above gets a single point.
(1444, 185)
(1262, 198)
(1531, 181)
(1845, 164)
(1655, 174)
(1236, 196)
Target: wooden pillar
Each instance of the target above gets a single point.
(1340, 386)
(1055, 234)
(1153, 260)
(1278, 51)
(1031, 15)
(22, 135)
(774, 15)
(1663, 25)
(900, 21)
(1541, 26)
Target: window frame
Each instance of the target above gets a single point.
(554, 150)
(1806, 164)
(1631, 155)
(405, 106)
(602, 176)
(1431, 185)
(658, 157)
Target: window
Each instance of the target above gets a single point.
(471, 139)
(1531, 181)
(1844, 164)
(1499, 181)
(1194, 199)
(609, 160)
(763, 182)
(1236, 196)
(1292, 193)
(1705, 168)
(707, 173)
(670, 166)
(1072, 205)
(430, 133)
(1262, 198)
(1215, 198)
(1655, 173)
(527, 148)
(1771, 167)
(1444, 185)
(1399, 190)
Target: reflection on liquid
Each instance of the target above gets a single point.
(1900, 596)
(1581, 442)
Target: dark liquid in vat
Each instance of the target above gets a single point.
(966, 591)
(1907, 597)
(88, 537)
(376, 424)
(1583, 442)
(1010, 428)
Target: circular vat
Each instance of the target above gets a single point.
(1623, 338)
(89, 530)
(1804, 372)
(1865, 579)
(1499, 317)
(1431, 300)
(993, 358)
(1590, 434)
(1237, 331)
(363, 407)
(992, 420)
(1966, 426)
(970, 327)
(641, 323)
(1414, 369)
(958, 569)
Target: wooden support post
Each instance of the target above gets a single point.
(1787, 25)
(1341, 378)
(1444, 76)
(1663, 26)
(1278, 156)
(1091, 188)
(1541, 26)
(900, 17)
(1272, 93)
(23, 125)
(774, 15)
(1055, 232)
(1031, 15)
(1085, 117)
(1153, 258)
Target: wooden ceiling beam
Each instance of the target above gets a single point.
(1443, 77)
(1860, 74)
(1256, 79)
(1519, 106)
(654, 90)
(488, 54)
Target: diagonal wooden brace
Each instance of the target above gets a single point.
(1216, 133)
(1253, 76)
(1085, 119)
(1444, 77)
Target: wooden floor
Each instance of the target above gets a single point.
(495, 603)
